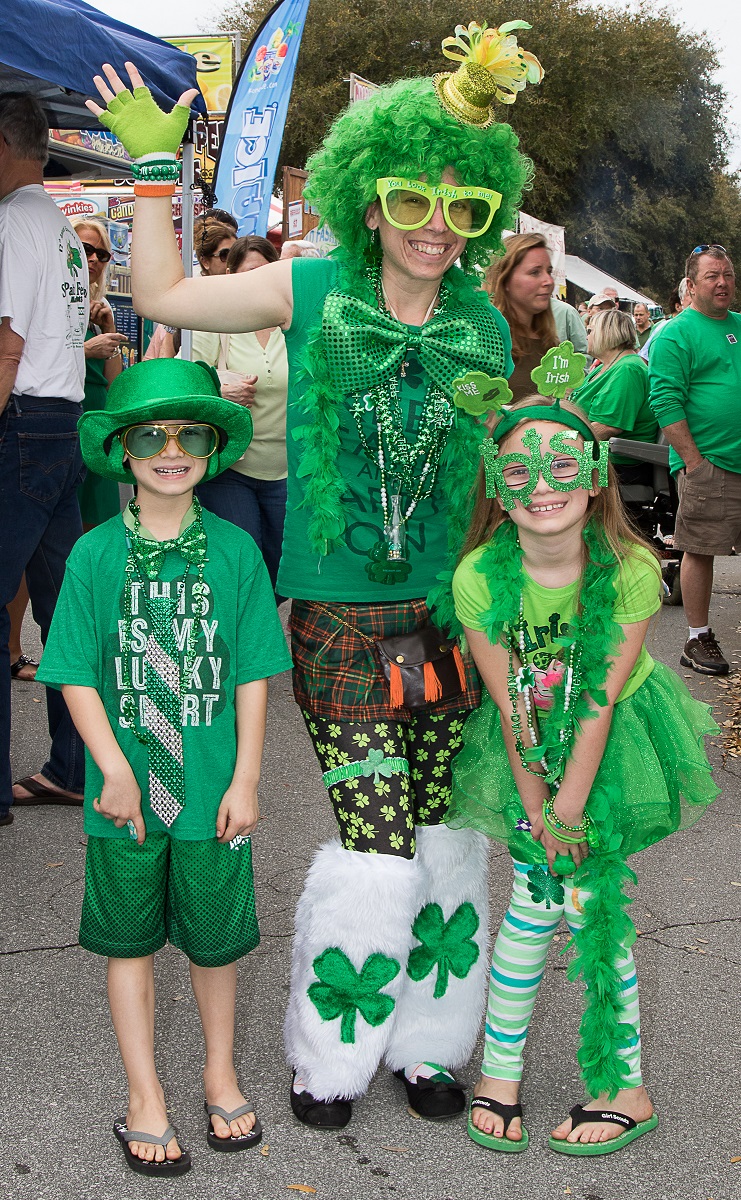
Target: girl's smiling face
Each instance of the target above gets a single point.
(548, 510)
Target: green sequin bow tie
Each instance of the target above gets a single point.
(365, 346)
(150, 556)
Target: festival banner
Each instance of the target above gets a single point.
(256, 118)
(213, 57)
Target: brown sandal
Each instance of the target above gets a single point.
(40, 794)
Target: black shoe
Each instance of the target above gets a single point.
(435, 1101)
(6, 818)
(320, 1114)
(703, 654)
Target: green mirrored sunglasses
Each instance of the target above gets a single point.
(147, 441)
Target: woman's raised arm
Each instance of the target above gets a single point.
(228, 304)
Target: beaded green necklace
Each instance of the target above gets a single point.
(592, 638)
(449, 445)
(143, 564)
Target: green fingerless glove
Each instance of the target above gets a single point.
(141, 125)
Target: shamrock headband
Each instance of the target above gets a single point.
(493, 66)
(565, 467)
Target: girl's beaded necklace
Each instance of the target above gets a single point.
(522, 683)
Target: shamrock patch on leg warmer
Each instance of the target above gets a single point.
(352, 942)
(442, 999)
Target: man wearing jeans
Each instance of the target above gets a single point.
(43, 318)
(695, 377)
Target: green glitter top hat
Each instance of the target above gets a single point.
(493, 67)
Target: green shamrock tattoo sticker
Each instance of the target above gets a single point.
(561, 370)
(445, 945)
(477, 393)
(543, 888)
(344, 992)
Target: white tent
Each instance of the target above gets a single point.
(582, 274)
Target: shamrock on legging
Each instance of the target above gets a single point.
(543, 887)
(445, 944)
(344, 992)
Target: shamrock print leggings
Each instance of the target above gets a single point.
(384, 777)
(539, 900)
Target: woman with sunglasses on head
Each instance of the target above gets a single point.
(253, 370)
(381, 463)
(520, 284)
(98, 497)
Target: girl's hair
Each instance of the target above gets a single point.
(403, 130)
(97, 290)
(251, 244)
(605, 510)
(208, 235)
(612, 330)
(497, 278)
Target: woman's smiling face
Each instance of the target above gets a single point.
(423, 254)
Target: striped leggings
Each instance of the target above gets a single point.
(534, 914)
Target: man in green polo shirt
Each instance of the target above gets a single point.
(695, 380)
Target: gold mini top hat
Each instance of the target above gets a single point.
(493, 67)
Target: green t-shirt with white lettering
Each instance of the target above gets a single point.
(341, 575)
(547, 612)
(239, 639)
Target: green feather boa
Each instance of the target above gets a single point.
(607, 928)
(325, 489)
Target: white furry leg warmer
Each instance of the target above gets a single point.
(439, 1011)
(350, 952)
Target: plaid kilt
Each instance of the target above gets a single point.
(337, 675)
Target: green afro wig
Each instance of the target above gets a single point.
(403, 130)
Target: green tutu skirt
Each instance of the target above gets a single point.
(654, 778)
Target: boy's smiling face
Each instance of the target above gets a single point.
(172, 472)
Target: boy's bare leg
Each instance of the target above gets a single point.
(131, 997)
(215, 990)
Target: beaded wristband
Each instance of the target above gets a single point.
(559, 835)
(160, 171)
(582, 827)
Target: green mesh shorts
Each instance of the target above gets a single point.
(197, 895)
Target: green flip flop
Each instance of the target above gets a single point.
(507, 1112)
(580, 1116)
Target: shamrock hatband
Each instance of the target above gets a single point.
(565, 467)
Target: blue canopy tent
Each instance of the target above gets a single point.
(53, 48)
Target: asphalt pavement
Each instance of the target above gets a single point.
(63, 1085)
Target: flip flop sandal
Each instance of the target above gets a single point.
(39, 794)
(241, 1141)
(580, 1116)
(507, 1112)
(160, 1170)
(19, 664)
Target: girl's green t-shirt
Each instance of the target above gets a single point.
(239, 639)
(341, 575)
(547, 612)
